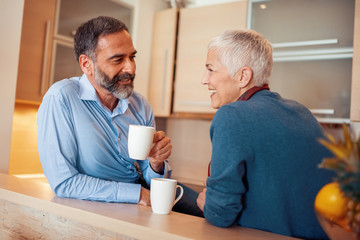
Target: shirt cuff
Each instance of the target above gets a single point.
(167, 170)
(150, 173)
(128, 192)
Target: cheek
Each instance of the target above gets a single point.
(228, 92)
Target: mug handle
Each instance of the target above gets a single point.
(180, 195)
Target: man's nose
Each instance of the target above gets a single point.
(129, 66)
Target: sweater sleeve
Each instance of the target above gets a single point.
(226, 186)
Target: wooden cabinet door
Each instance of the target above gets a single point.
(162, 62)
(355, 84)
(196, 27)
(35, 49)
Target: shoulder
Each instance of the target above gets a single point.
(65, 87)
(230, 120)
(232, 112)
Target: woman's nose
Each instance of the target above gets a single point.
(204, 80)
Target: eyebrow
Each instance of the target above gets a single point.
(120, 55)
(208, 65)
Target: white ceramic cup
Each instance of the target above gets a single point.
(140, 141)
(162, 194)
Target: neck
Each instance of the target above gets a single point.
(245, 89)
(106, 97)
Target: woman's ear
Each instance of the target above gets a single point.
(245, 75)
(86, 64)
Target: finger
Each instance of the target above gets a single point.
(161, 146)
(159, 159)
(158, 136)
(162, 153)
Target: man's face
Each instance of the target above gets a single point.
(114, 85)
(115, 64)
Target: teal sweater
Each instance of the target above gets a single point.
(264, 167)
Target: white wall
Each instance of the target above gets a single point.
(11, 13)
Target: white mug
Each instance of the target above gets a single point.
(162, 194)
(140, 141)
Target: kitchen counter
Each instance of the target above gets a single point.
(30, 210)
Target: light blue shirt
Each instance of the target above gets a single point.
(83, 145)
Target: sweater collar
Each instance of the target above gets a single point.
(249, 93)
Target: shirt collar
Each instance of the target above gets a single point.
(87, 92)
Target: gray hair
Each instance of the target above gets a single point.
(240, 48)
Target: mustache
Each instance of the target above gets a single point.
(123, 76)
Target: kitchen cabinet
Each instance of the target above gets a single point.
(196, 27)
(162, 61)
(35, 49)
(313, 52)
(68, 18)
(355, 84)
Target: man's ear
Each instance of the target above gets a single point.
(244, 75)
(86, 64)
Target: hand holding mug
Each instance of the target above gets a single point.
(160, 152)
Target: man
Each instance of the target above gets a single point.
(265, 149)
(83, 122)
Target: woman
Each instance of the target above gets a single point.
(265, 152)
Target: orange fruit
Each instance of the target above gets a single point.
(331, 202)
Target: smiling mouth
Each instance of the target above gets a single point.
(125, 81)
(212, 92)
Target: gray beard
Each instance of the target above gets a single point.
(118, 90)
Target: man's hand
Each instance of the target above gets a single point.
(200, 201)
(160, 151)
(144, 197)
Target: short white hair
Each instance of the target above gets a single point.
(244, 48)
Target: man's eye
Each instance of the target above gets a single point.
(118, 60)
(132, 57)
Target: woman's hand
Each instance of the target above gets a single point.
(200, 201)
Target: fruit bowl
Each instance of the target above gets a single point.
(334, 230)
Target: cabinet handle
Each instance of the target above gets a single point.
(45, 58)
(306, 43)
(323, 111)
(164, 79)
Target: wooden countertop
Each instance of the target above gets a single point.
(130, 220)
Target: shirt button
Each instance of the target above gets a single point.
(118, 139)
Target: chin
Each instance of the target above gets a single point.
(123, 94)
(215, 106)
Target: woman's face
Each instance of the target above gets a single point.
(223, 88)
